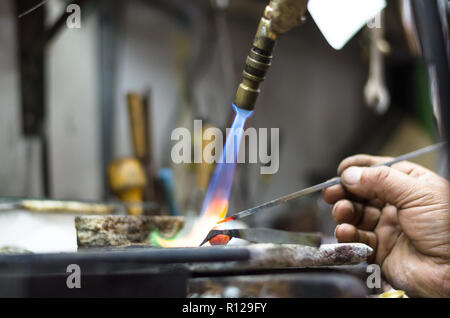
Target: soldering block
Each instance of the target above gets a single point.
(117, 230)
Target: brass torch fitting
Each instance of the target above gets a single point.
(279, 17)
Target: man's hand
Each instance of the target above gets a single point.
(403, 213)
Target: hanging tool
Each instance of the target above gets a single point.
(261, 235)
(376, 93)
(328, 184)
(139, 112)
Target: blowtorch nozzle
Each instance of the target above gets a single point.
(279, 17)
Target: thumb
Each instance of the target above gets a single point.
(387, 184)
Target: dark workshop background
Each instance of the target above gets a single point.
(191, 56)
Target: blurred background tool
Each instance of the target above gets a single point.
(376, 93)
(138, 114)
(139, 117)
(58, 206)
(128, 181)
(34, 36)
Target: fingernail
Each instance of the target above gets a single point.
(352, 175)
(335, 230)
(333, 210)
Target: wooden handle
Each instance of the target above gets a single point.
(138, 124)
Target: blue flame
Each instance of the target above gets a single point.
(222, 178)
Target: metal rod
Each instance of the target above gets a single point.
(37, 6)
(70, 206)
(329, 183)
(138, 255)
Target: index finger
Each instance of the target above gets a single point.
(406, 167)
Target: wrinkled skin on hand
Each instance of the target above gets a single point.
(403, 213)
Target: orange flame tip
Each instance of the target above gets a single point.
(228, 219)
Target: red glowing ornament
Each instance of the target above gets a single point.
(220, 240)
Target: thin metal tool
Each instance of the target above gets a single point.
(37, 6)
(328, 184)
(262, 235)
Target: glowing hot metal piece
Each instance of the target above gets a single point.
(263, 235)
